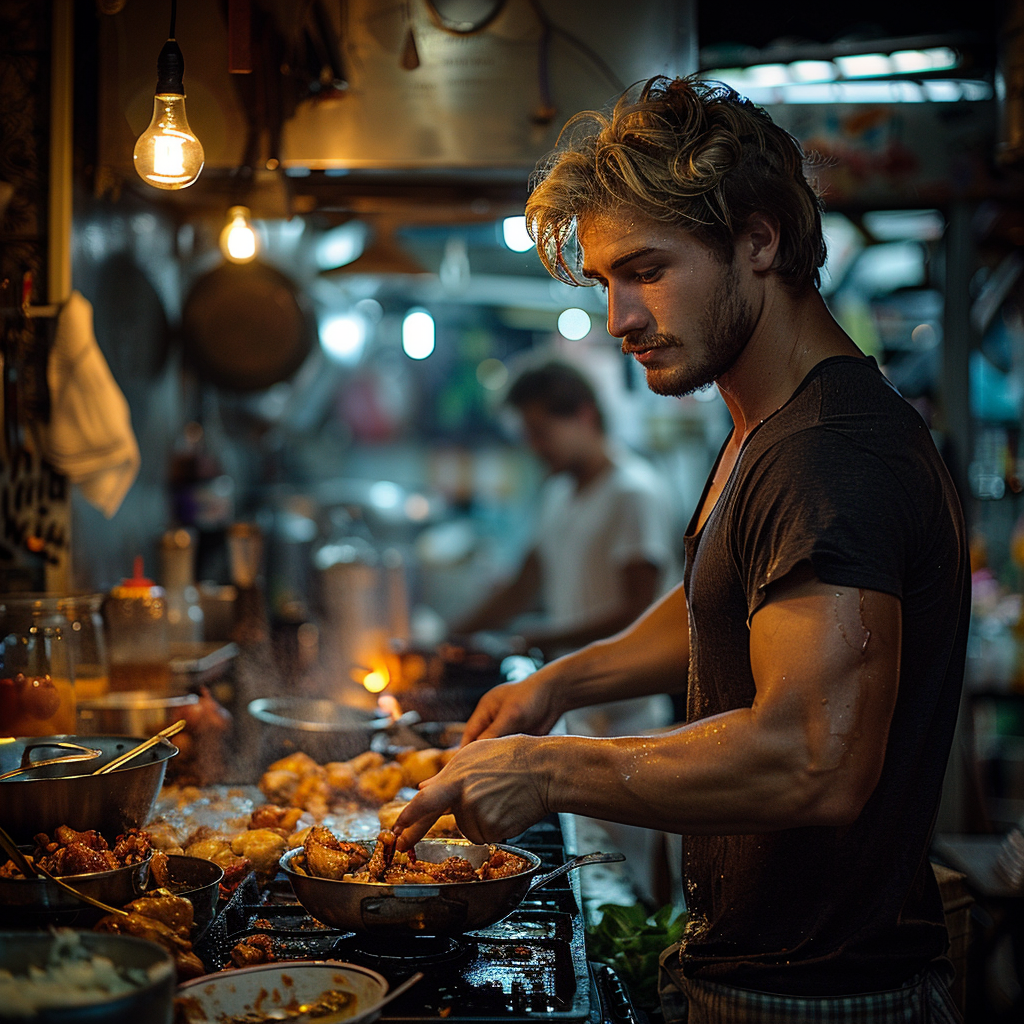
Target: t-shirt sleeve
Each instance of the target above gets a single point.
(818, 498)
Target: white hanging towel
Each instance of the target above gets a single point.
(89, 437)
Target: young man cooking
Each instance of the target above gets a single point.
(821, 625)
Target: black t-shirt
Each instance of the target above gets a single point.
(845, 478)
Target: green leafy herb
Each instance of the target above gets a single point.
(630, 941)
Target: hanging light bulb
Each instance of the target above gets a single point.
(167, 153)
(238, 238)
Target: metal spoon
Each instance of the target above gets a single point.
(171, 730)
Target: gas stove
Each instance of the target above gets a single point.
(530, 966)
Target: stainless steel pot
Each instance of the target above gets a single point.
(324, 729)
(132, 712)
(67, 794)
(151, 1002)
(39, 901)
(449, 908)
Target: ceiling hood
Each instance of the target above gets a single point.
(427, 86)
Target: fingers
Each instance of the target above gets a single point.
(415, 819)
(478, 721)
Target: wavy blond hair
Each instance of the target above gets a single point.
(687, 152)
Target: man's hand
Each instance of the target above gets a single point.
(527, 706)
(493, 788)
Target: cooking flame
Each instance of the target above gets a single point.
(376, 680)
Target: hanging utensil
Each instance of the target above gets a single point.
(85, 754)
(171, 730)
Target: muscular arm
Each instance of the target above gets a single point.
(508, 601)
(809, 751)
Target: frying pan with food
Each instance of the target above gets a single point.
(446, 908)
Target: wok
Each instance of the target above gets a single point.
(67, 794)
(447, 908)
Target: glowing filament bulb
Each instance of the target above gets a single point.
(238, 239)
(167, 154)
(375, 681)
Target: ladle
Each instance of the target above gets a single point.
(32, 870)
(171, 730)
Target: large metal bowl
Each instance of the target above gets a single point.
(449, 908)
(67, 794)
(151, 1002)
(324, 729)
(37, 902)
(198, 880)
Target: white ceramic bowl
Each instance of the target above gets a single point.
(279, 985)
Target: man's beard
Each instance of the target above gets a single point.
(720, 335)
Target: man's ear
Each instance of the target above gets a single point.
(758, 243)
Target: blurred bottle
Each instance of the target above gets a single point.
(184, 612)
(202, 493)
(37, 682)
(136, 616)
(245, 550)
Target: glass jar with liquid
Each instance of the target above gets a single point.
(37, 682)
(136, 617)
(84, 615)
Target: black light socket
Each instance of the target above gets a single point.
(170, 69)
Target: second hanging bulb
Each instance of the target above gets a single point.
(238, 239)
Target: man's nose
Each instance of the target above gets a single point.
(625, 315)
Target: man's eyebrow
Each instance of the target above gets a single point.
(624, 258)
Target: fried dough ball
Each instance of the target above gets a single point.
(341, 776)
(378, 785)
(263, 848)
(278, 785)
(419, 765)
(363, 762)
(216, 849)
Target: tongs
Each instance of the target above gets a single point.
(85, 754)
(171, 730)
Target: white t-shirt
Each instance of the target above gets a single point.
(585, 538)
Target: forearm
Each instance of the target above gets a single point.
(723, 775)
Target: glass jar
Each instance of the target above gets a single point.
(37, 681)
(88, 644)
(136, 618)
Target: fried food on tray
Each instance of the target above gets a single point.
(341, 776)
(280, 819)
(419, 765)
(83, 853)
(364, 762)
(328, 857)
(386, 865)
(253, 949)
(263, 848)
(165, 919)
(379, 785)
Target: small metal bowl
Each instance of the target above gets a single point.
(198, 880)
(151, 1002)
(38, 902)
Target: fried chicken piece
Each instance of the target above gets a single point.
(277, 785)
(451, 869)
(216, 848)
(263, 848)
(253, 949)
(65, 835)
(501, 864)
(362, 762)
(233, 875)
(299, 763)
(164, 836)
(328, 857)
(283, 819)
(159, 870)
(73, 853)
(379, 785)
(419, 765)
(444, 828)
(132, 847)
(299, 838)
(162, 905)
(313, 794)
(383, 854)
(341, 776)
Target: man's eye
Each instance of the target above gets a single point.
(647, 276)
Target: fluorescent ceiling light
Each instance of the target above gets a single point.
(864, 65)
(418, 334)
(813, 71)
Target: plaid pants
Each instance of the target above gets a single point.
(922, 1000)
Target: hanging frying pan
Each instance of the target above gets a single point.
(246, 326)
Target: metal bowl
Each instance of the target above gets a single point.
(151, 1002)
(198, 880)
(324, 729)
(67, 794)
(449, 908)
(275, 986)
(38, 902)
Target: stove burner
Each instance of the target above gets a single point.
(411, 952)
